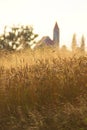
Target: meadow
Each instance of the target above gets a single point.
(45, 89)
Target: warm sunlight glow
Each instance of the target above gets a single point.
(42, 14)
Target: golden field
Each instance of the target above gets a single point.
(45, 89)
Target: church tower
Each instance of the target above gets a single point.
(56, 34)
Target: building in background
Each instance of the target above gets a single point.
(47, 41)
(56, 34)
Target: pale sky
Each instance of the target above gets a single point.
(71, 16)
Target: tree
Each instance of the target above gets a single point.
(64, 48)
(74, 43)
(18, 37)
(82, 46)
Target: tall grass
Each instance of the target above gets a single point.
(43, 90)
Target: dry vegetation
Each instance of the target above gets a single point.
(43, 90)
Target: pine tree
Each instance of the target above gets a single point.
(74, 43)
(82, 46)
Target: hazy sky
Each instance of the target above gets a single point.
(71, 16)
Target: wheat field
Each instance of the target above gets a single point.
(45, 89)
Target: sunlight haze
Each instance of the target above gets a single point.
(71, 16)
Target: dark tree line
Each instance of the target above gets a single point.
(17, 37)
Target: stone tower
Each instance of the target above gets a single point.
(56, 34)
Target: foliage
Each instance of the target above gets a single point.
(82, 44)
(64, 48)
(74, 43)
(17, 37)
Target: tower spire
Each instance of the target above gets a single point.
(56, 34)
